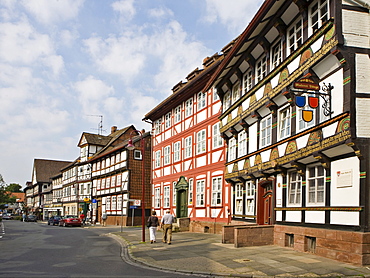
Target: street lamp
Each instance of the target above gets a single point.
(130, 146)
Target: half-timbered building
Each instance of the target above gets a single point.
(189, 154)
(295, 106)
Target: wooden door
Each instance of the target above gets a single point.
(182, 203)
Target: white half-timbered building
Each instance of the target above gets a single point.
(296, 98)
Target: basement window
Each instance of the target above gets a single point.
(311, 244)
(289, 240)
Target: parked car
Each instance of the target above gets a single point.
(54, 220)
(7, 216)
(70, 220)
(31, 218)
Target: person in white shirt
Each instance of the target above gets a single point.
(166, 224)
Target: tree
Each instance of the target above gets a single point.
(5, 196)
(14, 187)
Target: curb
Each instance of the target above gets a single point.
(127, 256)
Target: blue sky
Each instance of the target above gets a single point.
(63, 60)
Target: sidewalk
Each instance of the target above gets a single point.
(205, 254)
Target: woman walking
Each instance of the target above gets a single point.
(153, 224)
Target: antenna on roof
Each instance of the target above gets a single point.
(100, 125)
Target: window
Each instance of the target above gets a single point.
(177, 114)
(168, 120)
(137, 154)
(215, 95)
(261, 68)
(238, 198)
(276, 56)
(176, 152)
(201, 100)
(189, 107)
(188, 147)
(284, 122)
(174, 193)
(201, 141)
(166, 155)
(250, 189)
(265, 131)
(157, 126)
(200, 192)
(119, 202)
(157, 159)
(157, 197)
(242, 143)
(294, 189)
(166, 197)
(247, 81)
(295, 34)
(227, 101)
(232, 149)
(316, 182)
(216, 191)
(318, 14)
(190, 191)
(217, 139)
(236, 93)
(114, 202)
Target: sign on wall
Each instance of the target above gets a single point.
(344, 178)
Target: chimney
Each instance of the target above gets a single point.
(113, 129)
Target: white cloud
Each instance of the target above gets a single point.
(53, 11)
(233, 15)
(160, 13)
(125, 8)
(92, 94)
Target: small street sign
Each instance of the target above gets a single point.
(133, 207)
(137, 202)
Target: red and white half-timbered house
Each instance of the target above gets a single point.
(189, 154)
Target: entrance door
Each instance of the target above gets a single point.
(265, 206)
(183, 203)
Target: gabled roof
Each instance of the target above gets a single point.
(18, 195)
(93, 139)
(44, 169)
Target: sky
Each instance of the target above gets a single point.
(65, 63)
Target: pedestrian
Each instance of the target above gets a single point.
(166, 223)
(152, 225)
(104, 219)
(82, 217)
(24, 217)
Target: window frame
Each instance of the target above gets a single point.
(268, 129)
(239, 199)
(248, 81)
(167, 155)
(276, 54)
(157, 159)
(191, 181)
(227, 101)
(250, 198)
(189, 107)
(284, 122)
(157, 197)
(314, 26)
(166, 196)
(235, 93)
(201, 141)
(261, 68)
(201, 101)
(242, 143)
(216, 191)
(177, 151)
(296, 194)
(316, 179)
(168, 120)
(294, 41)
(231, 154)
(188, 148)
(177, 117)
(217, 140)
(200, 193)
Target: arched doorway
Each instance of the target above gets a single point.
(265, 201)
(182, 187)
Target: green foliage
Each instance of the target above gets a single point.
(14, 187)
(5, 197)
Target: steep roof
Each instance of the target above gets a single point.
(44, 169)
(18, 195)
(93, 139)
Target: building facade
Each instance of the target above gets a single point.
(295, 96)
(189, 154)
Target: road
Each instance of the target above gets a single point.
(38, 250)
